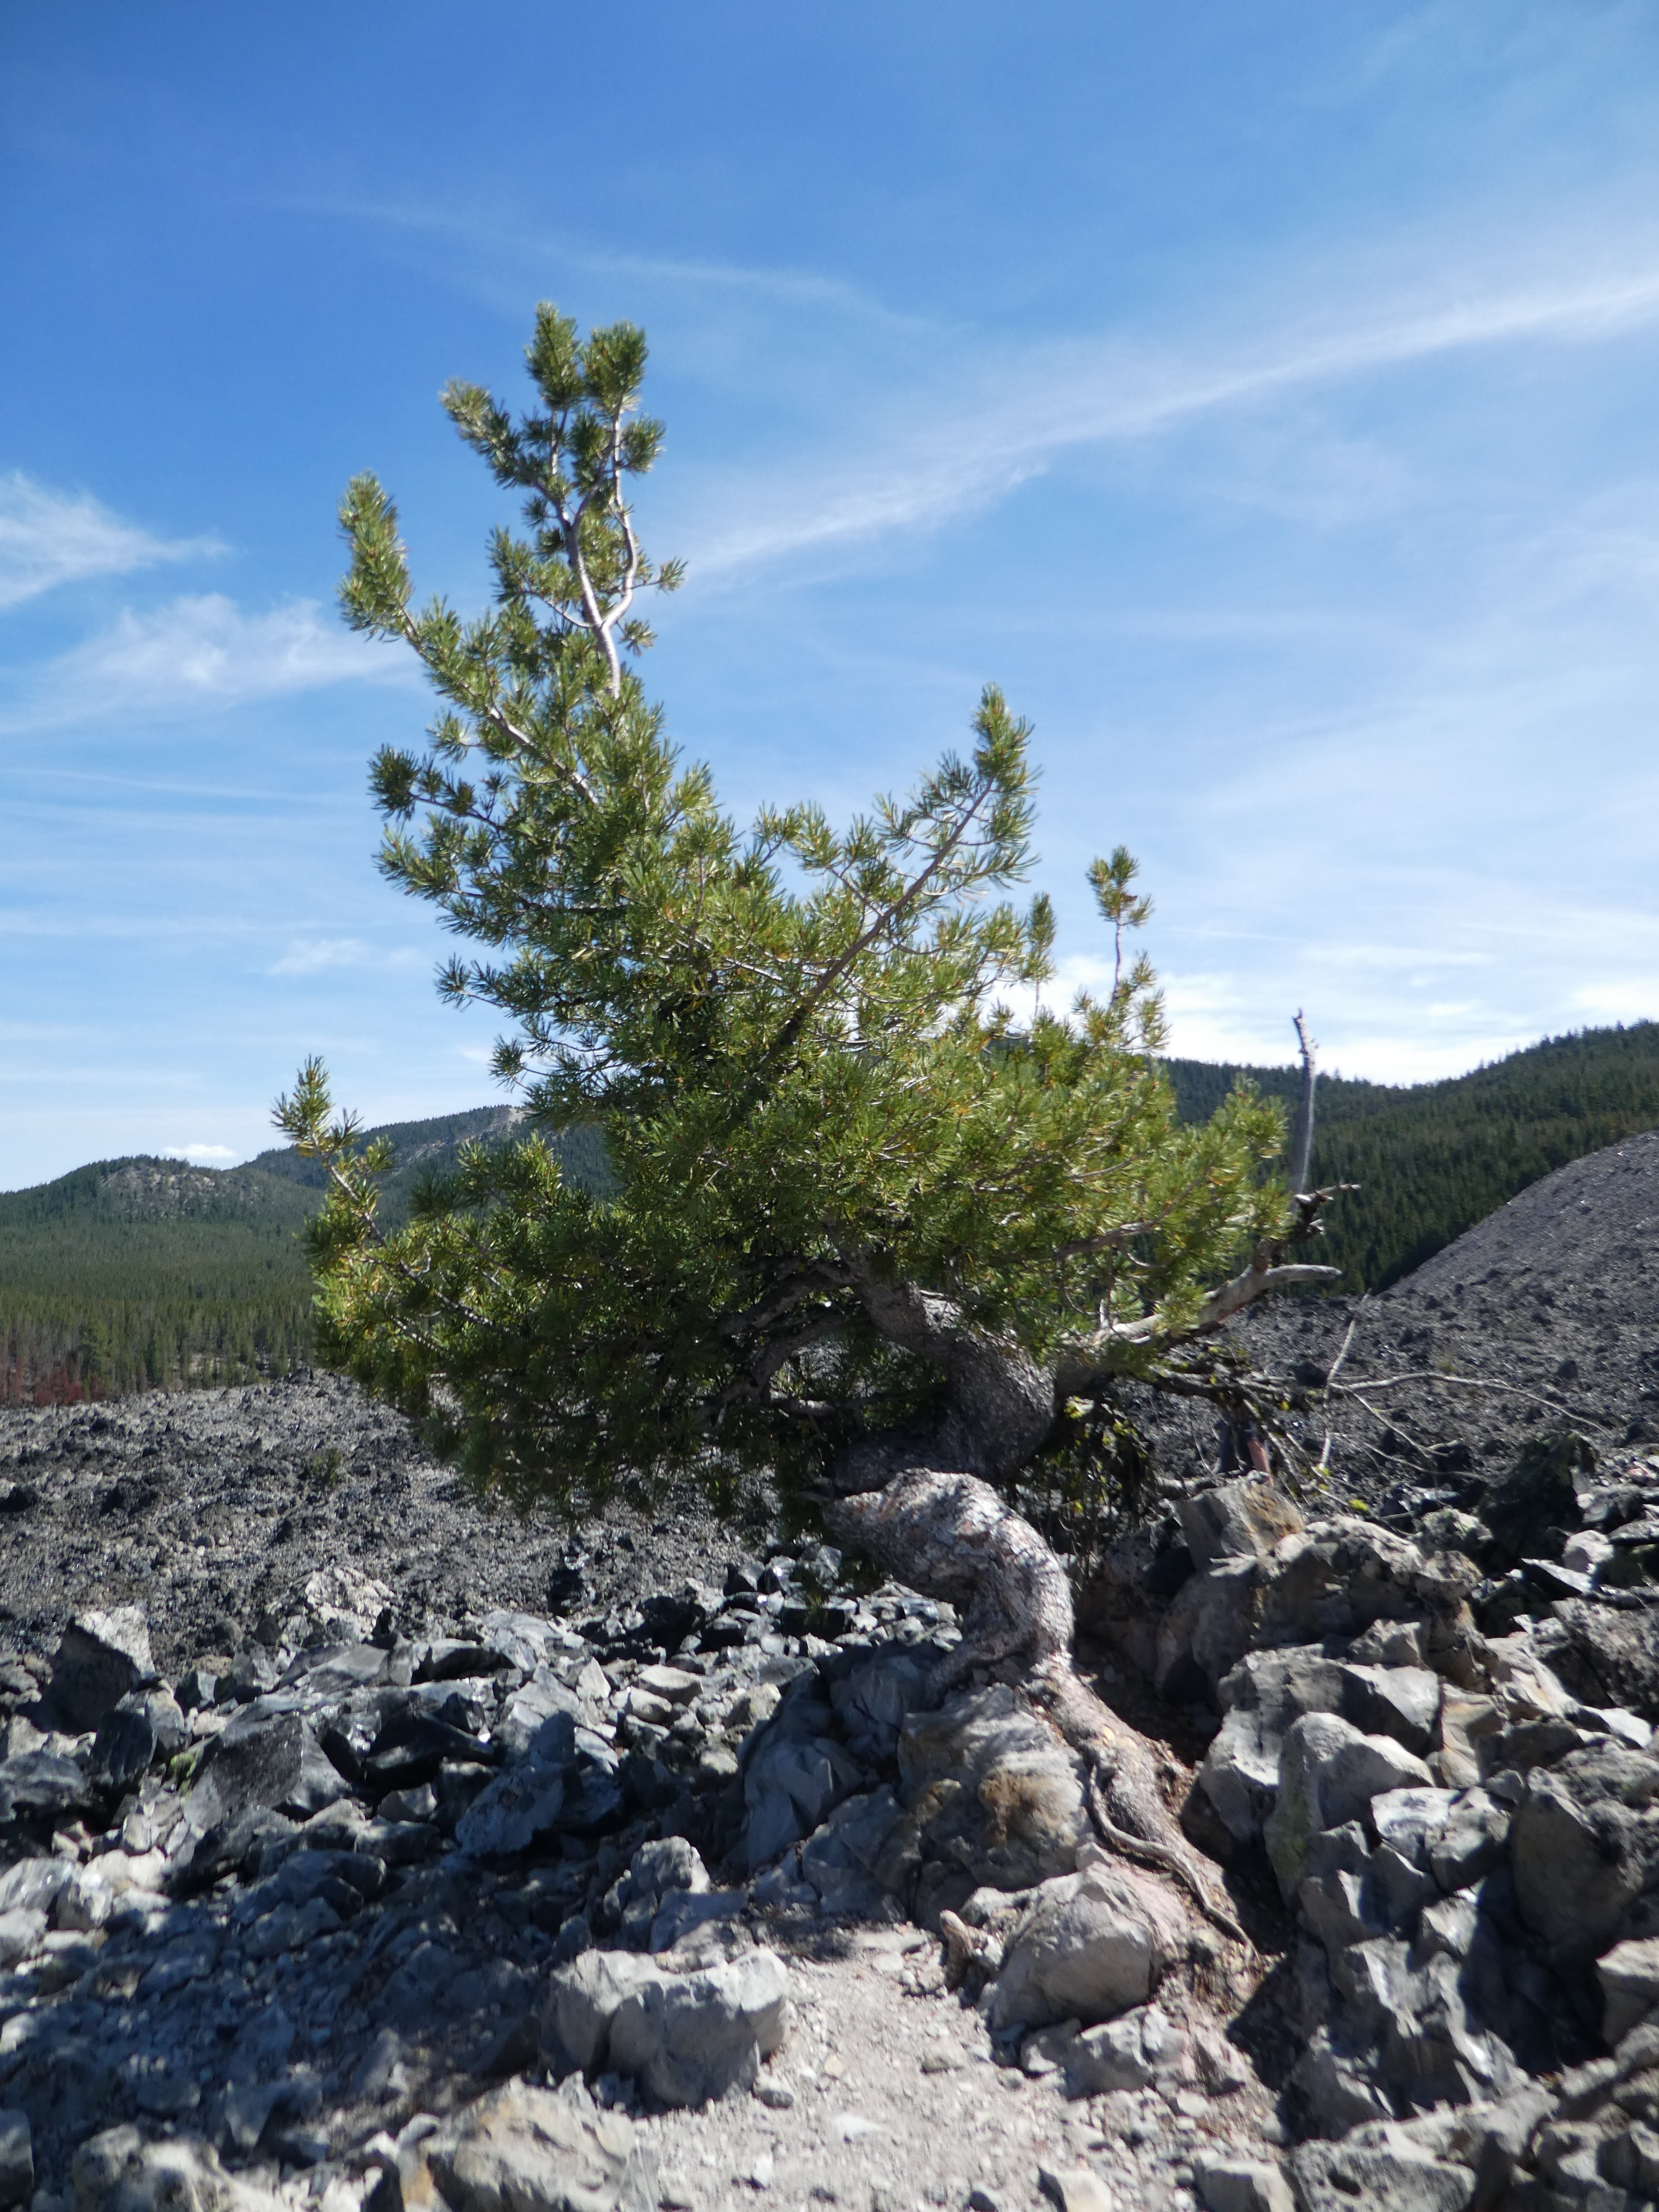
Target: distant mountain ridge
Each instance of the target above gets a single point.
(139, 1272)
(1433, 1158)
(142, 1273)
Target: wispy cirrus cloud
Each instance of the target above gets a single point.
(311, 956)
(202, 651)
(992, 427)
(49, 537)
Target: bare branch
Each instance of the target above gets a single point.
(1301, 1158)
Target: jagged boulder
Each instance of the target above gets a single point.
(102, 1656)
(686, 2036)
(1381, 2167)
(1584, 1849)
(794, 1774)
(1089, 1945)
(1607, 1657)
(1329, 1773)
(1268, 1691)
(264, 1761)
(1329, 1582)
(527, 2149)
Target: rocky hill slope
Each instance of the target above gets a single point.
(1546, 1313)
(361, 1850)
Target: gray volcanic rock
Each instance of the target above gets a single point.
(533, 2150)
(102, 1656)
(264, 1760)
(1089, 1945)
(16, 2160)
(687, 2036)
(38, 1788)
(1585, 1849)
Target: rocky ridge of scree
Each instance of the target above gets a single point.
(1549, 1309)
(212, 1509)
(705, 1899)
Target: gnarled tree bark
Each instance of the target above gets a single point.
(920, 1505)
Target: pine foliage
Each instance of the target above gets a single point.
(796, 1040)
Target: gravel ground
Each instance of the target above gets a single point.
(211, 1509)
(893, 2100)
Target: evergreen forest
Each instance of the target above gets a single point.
(143, 1273)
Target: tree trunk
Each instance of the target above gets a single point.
(941, 1529)
(1302, 1148)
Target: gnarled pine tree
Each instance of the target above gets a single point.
(867, 1230)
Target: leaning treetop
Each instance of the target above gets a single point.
(862, 1218)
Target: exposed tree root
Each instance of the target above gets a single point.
(950, 1537)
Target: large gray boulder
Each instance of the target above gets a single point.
(1329, 1773)
(1607, 1657)
(522, 1723)
(121, 2170)
(525, 1803)
(669, 1867)
(101, 1656)
(1259, 1700)
(688, 2037)
(1134, 2051)
(39, 1791)
(863, 1857)
(1090, 1945)
(263, 1760)
(1584, 1851)
(145, 1726)
(527, 2149)
(1381, 2167)
(1228, 2184)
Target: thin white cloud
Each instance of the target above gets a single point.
(49, 537)
(979, 444)
(200, 653)
(497, 236)
(310, 956)
(201, 1153)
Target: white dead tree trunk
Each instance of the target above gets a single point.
(1302, 1148)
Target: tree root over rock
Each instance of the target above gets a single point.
(950, 1537)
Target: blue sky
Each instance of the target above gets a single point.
(1263, 396)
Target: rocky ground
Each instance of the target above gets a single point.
(361, 1850)
(211, 1508)
(1545, 1314)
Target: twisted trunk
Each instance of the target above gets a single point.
(918, 1503)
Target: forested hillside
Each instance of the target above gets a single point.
(132, 1274)
(138, 1274)
(143, 1273)
(1435, 1158)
